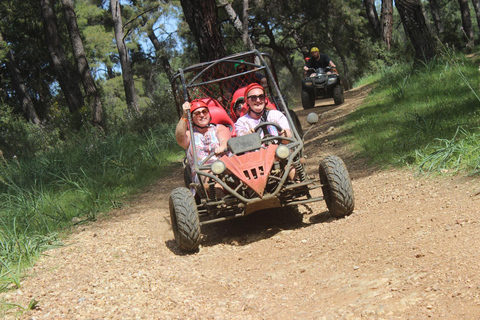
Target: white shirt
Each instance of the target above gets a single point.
(245, 123)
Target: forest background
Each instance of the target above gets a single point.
(86, 108)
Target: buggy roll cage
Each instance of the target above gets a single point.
(212, 80)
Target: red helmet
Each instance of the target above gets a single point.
(197, 104)
(255, 85)
(252, 86)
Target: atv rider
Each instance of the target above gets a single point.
(318, 60)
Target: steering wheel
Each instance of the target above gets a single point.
(266, 124)
(268, 137)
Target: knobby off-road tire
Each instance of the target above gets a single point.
(336, 186)
(338, 94)
(184, 218)
(308, 100)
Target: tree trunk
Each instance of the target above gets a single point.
(346, 73)
(245, 36)
(373, 16)
(387, 23)
(466, 23)
(415, 25)
(79, 52)
(476, 6)
(201, 16)
(26, 103)
(64, 73)
(127, 74)
(240, 26)
(161, 53)
(434, 8)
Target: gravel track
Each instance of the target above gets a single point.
(408, 251)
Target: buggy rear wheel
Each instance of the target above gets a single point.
(336, 186)
(185, 220)
(308, 100)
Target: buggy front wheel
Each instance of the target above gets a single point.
(185, 220)
(336, 186)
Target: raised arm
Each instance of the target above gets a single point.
(182, 134)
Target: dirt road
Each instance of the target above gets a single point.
(410, 250)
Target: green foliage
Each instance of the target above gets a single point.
(412, 113)
(19, 138)
(461, 153)
(46, 193)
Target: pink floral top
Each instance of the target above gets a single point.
(204, 145)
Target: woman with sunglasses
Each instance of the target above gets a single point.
(208, 137)
(257, 113)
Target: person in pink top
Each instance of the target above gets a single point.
(258, 112)
(208, 137)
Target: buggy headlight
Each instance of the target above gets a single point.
(282, 152)
(308, 83)
(218, 167)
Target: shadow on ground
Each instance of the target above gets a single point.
(257, 226)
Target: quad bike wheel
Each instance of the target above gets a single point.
(338, 94)
(308, 100)
(336, 186)
(185, 220)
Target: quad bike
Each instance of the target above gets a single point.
(255, 171)
(322, 84)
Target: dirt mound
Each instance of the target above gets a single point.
(407, 252)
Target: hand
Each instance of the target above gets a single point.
(305, 68)
(186, 107)
(220, 149)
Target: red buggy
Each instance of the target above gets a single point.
(255, 171)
